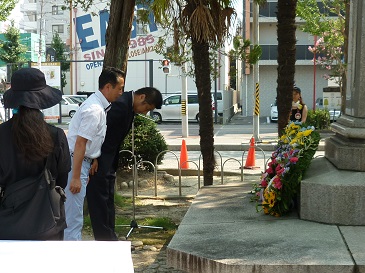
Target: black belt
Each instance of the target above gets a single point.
(86, 159)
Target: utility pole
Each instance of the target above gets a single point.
(256, 112)
(184, 102)
(71, 53)
(40, 38)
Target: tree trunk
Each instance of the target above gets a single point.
(286, 60)
(203, 84)
(118, 33)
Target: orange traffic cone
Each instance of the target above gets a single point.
(184, 156)
(251, 157)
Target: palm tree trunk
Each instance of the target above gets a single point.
(118, 32)
(206, 130)
(286, 59)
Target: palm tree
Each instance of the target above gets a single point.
(286, 59)
(206, 24)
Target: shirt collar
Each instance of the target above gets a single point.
(106, 105)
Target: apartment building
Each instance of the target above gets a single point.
(44, 18)
(310, 82)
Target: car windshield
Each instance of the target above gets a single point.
(76, 100)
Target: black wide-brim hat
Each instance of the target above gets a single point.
(29, 88)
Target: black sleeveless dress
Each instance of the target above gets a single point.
(296, 114)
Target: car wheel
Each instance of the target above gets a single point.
(157, 117)
(72, 113)
(197, 117)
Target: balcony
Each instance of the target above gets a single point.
(270, 52)
(28, 7)
(28, 26)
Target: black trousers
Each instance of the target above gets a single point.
(100, 200)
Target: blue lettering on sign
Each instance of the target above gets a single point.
(86, 34)
(104, 19)
(93, 65)
(83, 33)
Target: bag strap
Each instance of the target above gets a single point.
(51, 181)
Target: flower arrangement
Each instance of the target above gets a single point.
(280, 183)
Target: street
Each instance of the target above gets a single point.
(174, 129)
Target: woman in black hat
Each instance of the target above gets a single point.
(26, 139)
(299, 110)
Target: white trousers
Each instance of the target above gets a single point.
(74, 205)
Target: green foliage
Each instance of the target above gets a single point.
(6, 6)
(60, 48)
(11, 50)
(164, 222)
(329, 25)
(148, 143)
(241, 50)
(320, 119)
(121, 201)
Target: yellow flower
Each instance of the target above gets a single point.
(300, 106)
(307, 132)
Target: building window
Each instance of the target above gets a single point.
(58, 28)
(32, 17)
(56, 10)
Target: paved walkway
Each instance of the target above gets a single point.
(223, 233)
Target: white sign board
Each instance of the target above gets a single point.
(52, 73)
(332, 100)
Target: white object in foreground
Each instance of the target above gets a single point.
(62, 256)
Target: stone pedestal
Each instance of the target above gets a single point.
(333, 190)
(332, 196)
(346, 150)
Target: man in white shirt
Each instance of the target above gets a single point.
(85, 136)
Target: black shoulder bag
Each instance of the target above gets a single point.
(32, 208)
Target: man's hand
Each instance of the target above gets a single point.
(94, 167)
(75, 185)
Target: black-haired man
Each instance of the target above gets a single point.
(100, 189)
(85, 136)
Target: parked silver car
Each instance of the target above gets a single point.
(68, 107)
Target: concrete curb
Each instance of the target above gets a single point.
(234, 147)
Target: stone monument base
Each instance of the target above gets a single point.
(332, 196)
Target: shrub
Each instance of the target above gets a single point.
(320, 119)
(148, 143)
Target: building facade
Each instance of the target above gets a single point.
(309, 78)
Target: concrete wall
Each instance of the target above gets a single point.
(268, 87)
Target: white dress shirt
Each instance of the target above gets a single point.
(89, 122)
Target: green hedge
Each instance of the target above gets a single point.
(148, 143)
(320, 119)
